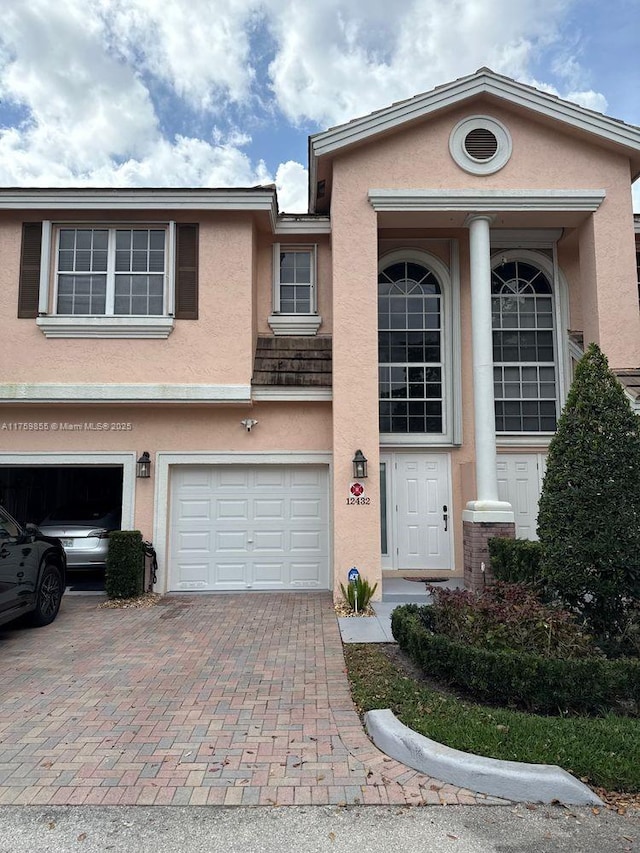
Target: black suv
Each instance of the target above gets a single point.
(32, 572)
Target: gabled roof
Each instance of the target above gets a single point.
(483, 82)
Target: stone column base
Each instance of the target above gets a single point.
(475, 536)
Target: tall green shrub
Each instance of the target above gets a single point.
(589, 513)
(515, 560)
(125, 561)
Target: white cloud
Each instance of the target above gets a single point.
(328, 68)
(186, 162)
(84, 105)
(97, 81)
(292, 185)
(201, 49)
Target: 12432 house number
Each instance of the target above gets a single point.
(353, 501)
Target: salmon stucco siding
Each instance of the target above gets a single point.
(460, 250)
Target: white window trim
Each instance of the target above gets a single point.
(560, 296)
(127, 460)
(55, 325)
(450, 346)
(295, 324)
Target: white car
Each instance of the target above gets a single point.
(83, 529)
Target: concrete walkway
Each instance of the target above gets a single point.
(377, 629)
(210, 699)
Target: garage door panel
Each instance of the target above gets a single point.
(270, 477)
(230, 541)
(305, 508)
(190, 509)
(229, 575)
(307, 574)
(195, 478)
(268, 540)
(231, 476)
(269, 509)
(193, 575)
(195, 541)
(232, 510)
(309, 541)
(307, 477)
(267, 573)
(260, 526)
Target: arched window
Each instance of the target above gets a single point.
(410, 349)
(525, 370)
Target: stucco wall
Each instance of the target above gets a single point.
(285, 427)
(216, 348)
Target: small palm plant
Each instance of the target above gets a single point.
(358, 593)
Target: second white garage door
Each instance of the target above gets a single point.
(237, 527)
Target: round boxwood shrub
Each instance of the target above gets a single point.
(125, 564)
(531, 682)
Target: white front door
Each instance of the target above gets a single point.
(520, 477)
(417, 528)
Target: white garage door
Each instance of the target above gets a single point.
(236, 527)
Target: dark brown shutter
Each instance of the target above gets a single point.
(29, 289)
(186, 272)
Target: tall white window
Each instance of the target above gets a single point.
(295, 280)
(295, 299)
(410, 350)
(525, 369)
(111, 271)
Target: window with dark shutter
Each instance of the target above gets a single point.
(186, 295)
(29, 287)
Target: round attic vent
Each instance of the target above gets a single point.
(480, 145)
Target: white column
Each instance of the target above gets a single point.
(486, 507)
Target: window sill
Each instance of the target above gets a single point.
(294, 324)
(106, 327)
(523, 439)
(389, 439)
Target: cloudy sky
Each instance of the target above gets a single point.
(225, 92)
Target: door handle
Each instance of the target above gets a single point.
(445, 517)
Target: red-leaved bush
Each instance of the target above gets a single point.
(507, 616)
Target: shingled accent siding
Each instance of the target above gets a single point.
(293, 361)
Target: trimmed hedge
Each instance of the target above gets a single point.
(542, 685)
(125, 561)
(515, 560)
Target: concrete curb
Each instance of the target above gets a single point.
(529, 783)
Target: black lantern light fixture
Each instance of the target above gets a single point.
(143, 466)
(359, 465)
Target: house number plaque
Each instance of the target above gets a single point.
(357, 496)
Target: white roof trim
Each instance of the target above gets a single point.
(123, 199)
(45, 392)
(484, 82)
(486, 200)
(283, 393)
(290, 227)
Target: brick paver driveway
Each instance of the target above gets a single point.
(210, 699)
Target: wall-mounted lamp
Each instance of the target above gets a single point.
(248, 423)
(359, 465)
(143, 466)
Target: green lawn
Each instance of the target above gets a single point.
(604, 751)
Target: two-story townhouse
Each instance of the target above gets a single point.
(460, 248)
